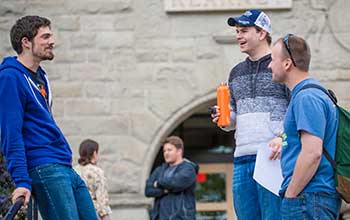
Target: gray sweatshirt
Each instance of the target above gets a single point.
(259, 105)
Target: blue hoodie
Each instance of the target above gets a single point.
(29, 134)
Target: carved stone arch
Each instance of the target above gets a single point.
(339, 22)
(170, 124)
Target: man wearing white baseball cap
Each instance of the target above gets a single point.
(259, 106)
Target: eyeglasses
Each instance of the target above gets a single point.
(286, 44)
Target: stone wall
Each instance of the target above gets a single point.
(127, 72)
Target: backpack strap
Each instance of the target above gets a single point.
(328, 92)
(331, 95)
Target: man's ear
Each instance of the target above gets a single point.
(288, 63)
(26, 43)
(262, 34)
(181, 151)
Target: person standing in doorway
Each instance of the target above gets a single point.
(258, 109)
(172, 184)
(37, 154)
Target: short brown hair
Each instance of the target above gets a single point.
(268, 35)
(176, 141)
(300, 51)
(28, 27)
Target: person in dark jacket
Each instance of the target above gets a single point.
(38, 156)
(172, 184)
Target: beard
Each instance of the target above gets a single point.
(43, 54)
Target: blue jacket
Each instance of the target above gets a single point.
(179, 202)
(29, 134)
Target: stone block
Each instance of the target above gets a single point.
(130, 214)
(70, 127)
(157, 55)
(114, 6)
(95, 55)
(12, 7)
(123, 60)
(89, 72)
(70, 56)
(87, 107)
(125, 21)
(97, 22)
(108, 40)
(144, 125)
(109, 148)
(124, 90)
(6, 23)
(58, 107)
(67, 23)
(128, 105)
(341, 89)
(67, 89)
(55, 71)
(183, 55)
(343, 75)
(131, 149)
(152, 21)
(100, 90)
(123, 176)
(104, 125)
(80, 40)
(208, 75)
(74, 142)
(180, 76)
(95, 7)
(207, 53)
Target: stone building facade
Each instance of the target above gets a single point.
(127, 72)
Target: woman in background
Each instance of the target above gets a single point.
(93, 177)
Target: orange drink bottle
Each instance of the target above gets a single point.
(223, 101)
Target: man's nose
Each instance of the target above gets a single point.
(52, 41)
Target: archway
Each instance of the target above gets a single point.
(212, 149)
(171, 123)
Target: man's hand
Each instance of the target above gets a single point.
(215, 116)
(105, 217)
(290, 195)
(276, 147)
(21, 191)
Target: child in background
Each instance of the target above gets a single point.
(94, 177)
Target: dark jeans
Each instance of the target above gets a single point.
(61, 193)
(311, 206)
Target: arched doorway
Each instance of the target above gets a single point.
(212, 149)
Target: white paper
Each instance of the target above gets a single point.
(268, 172)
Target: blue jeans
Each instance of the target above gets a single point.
(309, 206)
(61, 193)
(251, 200)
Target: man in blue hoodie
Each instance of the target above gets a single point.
(37, 154)
(172, 184)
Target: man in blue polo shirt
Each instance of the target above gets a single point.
(308, 189)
